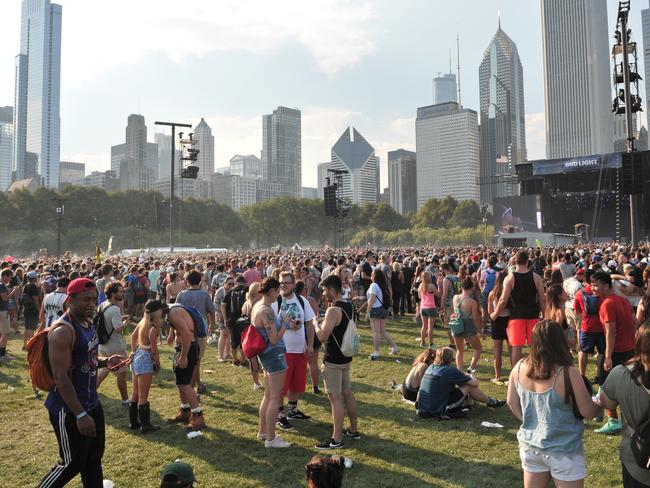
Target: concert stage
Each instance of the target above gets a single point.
(558, 194)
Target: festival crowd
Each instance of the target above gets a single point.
(84, 319)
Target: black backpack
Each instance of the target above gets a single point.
(590, 304)
(640, 437)
(237, 300)
(100, 324)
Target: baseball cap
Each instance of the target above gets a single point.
(170, 269)
(612, 264)
(178, 471)
(597, 257)
(581, 271)
(80, 285)
(32, 274)
(154, 305)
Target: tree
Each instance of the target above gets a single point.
(466, 214)
(435, 213)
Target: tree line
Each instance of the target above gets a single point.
(138, 219)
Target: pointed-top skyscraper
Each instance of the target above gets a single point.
(503, 126)
(205, 145)
(353, 154)
(37, 97)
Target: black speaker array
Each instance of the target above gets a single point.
(329, 193)
(632, 174)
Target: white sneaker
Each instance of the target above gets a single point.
(393, 350)
(261, 436)
(258, 386)
(277, 442)
(374, 355)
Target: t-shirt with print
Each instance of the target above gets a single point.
(53, 305)
(294, 340)
(219, 279)
(375, 289)
(634, 401)
(617, 309)
(113, 320)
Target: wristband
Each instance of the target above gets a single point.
(82, 415)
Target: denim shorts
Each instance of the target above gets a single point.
(380, 313)
(429, 312)
(142, 363)
(273, 360)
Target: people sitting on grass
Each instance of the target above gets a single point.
(177, 475)
(325, 471)
(445, 390)
(550, 398)
(412, 382)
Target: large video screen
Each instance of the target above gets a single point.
(517, 214)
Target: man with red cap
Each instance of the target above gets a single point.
(75, 411)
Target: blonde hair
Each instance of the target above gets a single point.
(444, 355)
(253, 291)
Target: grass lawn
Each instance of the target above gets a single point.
(397, 449)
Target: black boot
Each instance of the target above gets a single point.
(133, 416)
(145, 419)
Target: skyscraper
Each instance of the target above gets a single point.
(135, 162)
(503, 126)
(447, 149)
(37, 122)
(322, 177)
(6, 145)
(402, 180)
(577, 80)
(444, 88)
(353, 154)
(205, 145)
(281, 153)
(645, 27)
(248, 166)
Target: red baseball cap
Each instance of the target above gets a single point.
(580, 271)
(80, 285)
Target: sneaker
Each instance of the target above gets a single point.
(317, 390)
(202, 389)
(330, 444)
(261, 436)
(354, 435)
(298, 415)
(611, 427)
(471, 371)
(422, 344)
(126, 403)
(496, 403)
(393, 350)
(284, 424)
(258, 386)
(277, 442)
(374, 355)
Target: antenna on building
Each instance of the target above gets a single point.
(499, 18)
(460, 104)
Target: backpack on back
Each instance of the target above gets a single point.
(590, 304)
(40, 371)
(139, 289)
(28, 305)
(100, 324)
(490, 280)
(640, 437)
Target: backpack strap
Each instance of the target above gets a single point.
(60, 322)
(645, 420)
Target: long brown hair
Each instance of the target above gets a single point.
(548, 350)
(554, 306)
(641, 368)
(498, 284)
(425, 357)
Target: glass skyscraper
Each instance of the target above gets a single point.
(6, 145)
(281, 153)
(37, 92)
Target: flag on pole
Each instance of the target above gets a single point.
(98, 253)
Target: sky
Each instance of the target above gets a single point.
(366, 63)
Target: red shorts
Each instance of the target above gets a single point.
(296, 379)
(520, 331)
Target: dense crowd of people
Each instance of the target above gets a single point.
(577, 302)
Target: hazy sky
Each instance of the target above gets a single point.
(362, 63)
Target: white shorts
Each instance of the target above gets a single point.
(563, 467)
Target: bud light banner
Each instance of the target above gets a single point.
(580, 164)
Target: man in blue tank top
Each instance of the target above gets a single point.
(75, 411)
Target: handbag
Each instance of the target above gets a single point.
(252, 342)
(569, 395)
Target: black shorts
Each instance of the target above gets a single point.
(617, 359)
(410, 395)
(499, 327)
(184, 375)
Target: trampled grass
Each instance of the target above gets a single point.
(397, 449)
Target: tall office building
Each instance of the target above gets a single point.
(444, 88)
(281, 153)
(164, 148)
(248, 166)
(37, 122)
(322, 177)
(577, 79)
(136, 161)
(205, 145)
(447, 149)
(6, 146)
(645, 27)
(402, 181)
(353, 154)
(71, 172)
(503, 126)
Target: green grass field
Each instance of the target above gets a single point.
(397, 449)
